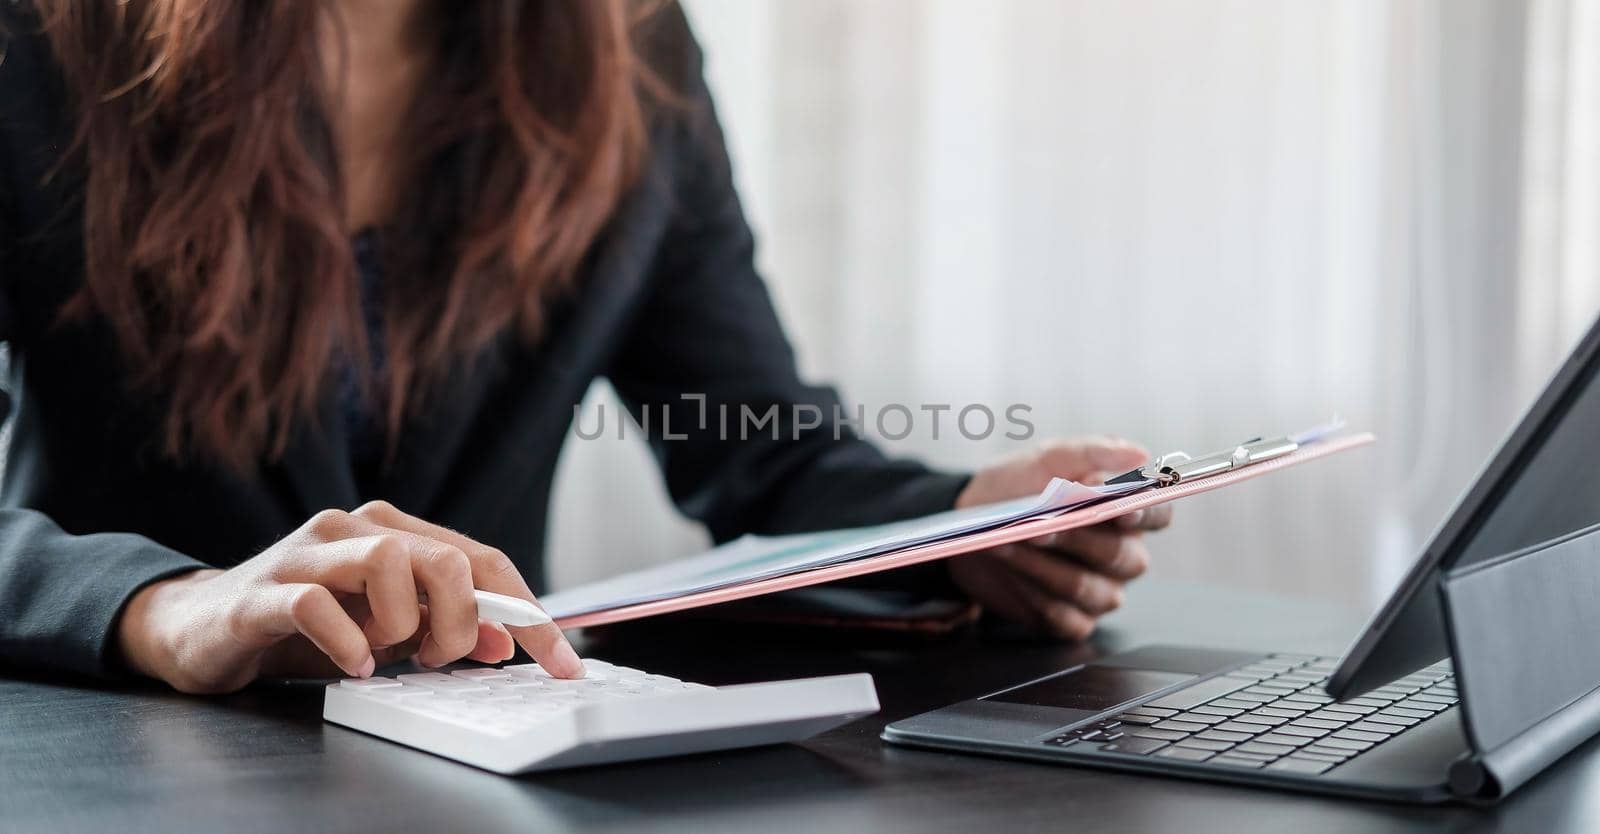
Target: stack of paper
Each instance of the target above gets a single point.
(753, 558)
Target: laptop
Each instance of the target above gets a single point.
(1478, 672)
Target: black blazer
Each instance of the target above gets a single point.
(669, 304)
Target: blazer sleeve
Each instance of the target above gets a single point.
(60, 594)
(746, 446)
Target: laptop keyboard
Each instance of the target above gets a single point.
(1272, 714)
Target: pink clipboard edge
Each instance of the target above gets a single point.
(966, 544)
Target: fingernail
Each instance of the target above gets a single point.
(368, 667)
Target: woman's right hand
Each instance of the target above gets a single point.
(340, 593)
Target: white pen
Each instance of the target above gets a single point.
(509, 610)
(505, 610)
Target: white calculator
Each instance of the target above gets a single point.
(519, 719)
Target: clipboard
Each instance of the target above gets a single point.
(1166, 479)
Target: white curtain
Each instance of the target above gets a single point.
(1560, 243)
(1182, 221)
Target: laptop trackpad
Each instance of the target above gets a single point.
(1091, 688)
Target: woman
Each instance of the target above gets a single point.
(267, 262)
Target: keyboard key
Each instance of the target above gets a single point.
(1397, 720)
(566, 685)
(442, 683)
(1245, 754)
(1264, 749)
(1266, 689)
(1146, 709)
(1229, 703)
(1276, 711)
(1257, 718)
(1187, 754)
(1152, 733)
(1316, 723)
(1224, 735)
(1360, 735)
(1375, 728)
(1303, 732)
(1422, 706)
(1257, 697)
(1199, 718)
(524, 685)
(1284, 739)
(1344, 743)
(1237, 761)
(1134, 746)
(1402, 712)
(1208, 709)
(1351, 709)
(1144, 720)
(368, 684)
(404, 692)
(1314, 756)
(1243, 727)
(481, 675)
(528, 670)
(595, 670)
(1194, 696)
(1198, 743)
(1309, 767)
(1181, 726)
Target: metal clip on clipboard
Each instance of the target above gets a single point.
(1176, 467)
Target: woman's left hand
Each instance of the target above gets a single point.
(1062, 582)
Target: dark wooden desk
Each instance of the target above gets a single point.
(134, 760)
